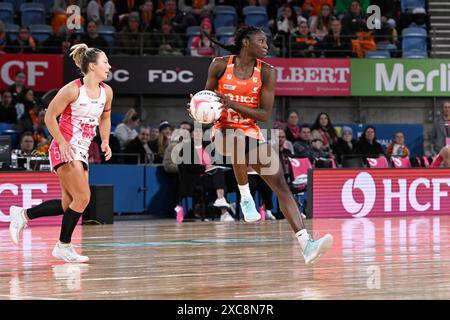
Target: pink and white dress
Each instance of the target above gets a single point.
(78, 124)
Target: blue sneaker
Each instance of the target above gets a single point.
(249, 210)
(315, 248)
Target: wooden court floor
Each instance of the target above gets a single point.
(378, 258)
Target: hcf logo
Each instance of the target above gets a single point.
(366, 184)
(398, 194)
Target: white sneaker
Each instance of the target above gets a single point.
(17, 224)
(315, 248)
(269, 215)
(68, 254)
(221, 203)
(226, 217)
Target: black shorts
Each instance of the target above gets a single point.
(85, 166)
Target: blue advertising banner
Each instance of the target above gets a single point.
(385, 133)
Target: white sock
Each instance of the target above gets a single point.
(244, 190)
(63, 245)
(302, 237)
(24, 215)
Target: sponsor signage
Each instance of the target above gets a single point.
(28, 189)
(400, 77)
(358, 193)
(151, 75)
(44, 72)
(312, 77)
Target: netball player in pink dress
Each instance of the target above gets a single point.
(82, 105)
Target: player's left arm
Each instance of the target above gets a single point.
(105, 123)
(267, 98)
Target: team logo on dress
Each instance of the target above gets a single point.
(229, 87)
(229, 76)
(255, 89)
(255, 79)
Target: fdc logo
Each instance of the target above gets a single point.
(365, 183)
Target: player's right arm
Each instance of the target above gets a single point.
(65, 96)
(216, 69)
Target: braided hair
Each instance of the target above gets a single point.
(240, 34)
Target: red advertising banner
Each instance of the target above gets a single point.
(359, 193)
(28, 189)
(43, 71)
(312, 77)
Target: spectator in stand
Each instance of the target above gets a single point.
(397, 148)
(354, 20)
(41, 135)
(26, 144)
(199, 9)
(160, 145)
(302, 147)
(335, 44)
(368, 145)
(202, 46)
(27, 104)
(284, 143)
(54, 43)
(60, 13)
(92, 39)
(70, 38)
(130, 39)
(323, 129)
(440, 134)
(18, 89)
(8, 113)
(346, 145)
(342, 6)
(24, 42)
(94, 154)
(126, 131)
(29, 118)
(150, 22)
(168, 43)
(317, 151)
(178, 19)
(312, 8)
(321, 23)
(154, 134)
(101, 11)
(4, 38)
(286, 26)
(302, 43)
(293, 127)
(141, 146)
(186, 125)
(124, 8)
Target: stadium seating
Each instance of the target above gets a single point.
(191, 33)
(414, 39)
(48, 4)
(40, 32)
(6, 12)
(411, 4)
(224, 34)
(414, 54)
(12, 30)
(378, 54)
(401, 162)
(16, 4)
(380, 162)
(32, 13)
(224, 16)
(255, 16)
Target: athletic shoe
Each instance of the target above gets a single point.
(269, 215)
(68, 254)
(226, 217)
(221, 203)
(315, 248)
(249, 210)
(17, 224)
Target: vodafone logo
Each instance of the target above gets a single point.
(365, 183)
(397, 162)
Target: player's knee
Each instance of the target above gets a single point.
(83, 199)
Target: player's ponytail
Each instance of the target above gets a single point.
(82, 55)
(239, 35)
